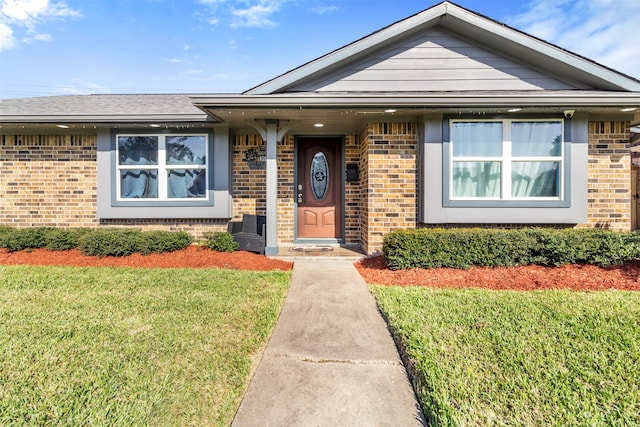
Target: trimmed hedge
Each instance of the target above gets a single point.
(463, 248)
(99, 242)
(18, 239)
(220, 241)
(123, 242)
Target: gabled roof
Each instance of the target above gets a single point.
(579, 72)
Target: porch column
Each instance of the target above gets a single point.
(272, 188)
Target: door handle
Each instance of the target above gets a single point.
(299, 198)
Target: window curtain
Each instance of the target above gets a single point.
(476, 179)
(138, 150)
(139, 184)
(477, 139)
(534, 179)
(536, 139)
(188, 151)
(186, 183)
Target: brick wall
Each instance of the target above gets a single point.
(609, 184)
(249, 189)
(391, 182)
(286, 190)
(48, 180)
(247, 185)
(353, 194)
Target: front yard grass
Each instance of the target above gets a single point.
(123, 346)
(486, 358)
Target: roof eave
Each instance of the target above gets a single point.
(72, 118)
(610, 99)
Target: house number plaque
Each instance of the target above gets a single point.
(256, 158)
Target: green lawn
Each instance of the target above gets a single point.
(125, 347)
(544, 358)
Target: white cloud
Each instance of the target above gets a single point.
(7, 41)
(604, 31)
(243, 13)
(321, 10)
(42, 37)
(29, 14)
(81, 87)
(257, 15)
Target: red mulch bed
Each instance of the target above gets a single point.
(191, 257)
(575, 277)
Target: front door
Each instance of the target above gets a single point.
(319, 187)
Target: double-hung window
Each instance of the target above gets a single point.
(506, 160)
(162, 167)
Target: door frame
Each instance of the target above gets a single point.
(635, 188)
(296, 144)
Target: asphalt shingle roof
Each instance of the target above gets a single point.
(101, 107)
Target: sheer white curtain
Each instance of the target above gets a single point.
(535, 178)
(481, 178)
(476, 179)
(477, 139)
(536, 139)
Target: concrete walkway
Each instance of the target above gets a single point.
(331, 360)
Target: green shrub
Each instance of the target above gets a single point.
(63, 239)
(123, 242)
(463, 248)
(19, 239)
(163, 241)
(5, 231)
(220, 241)
(110, 242)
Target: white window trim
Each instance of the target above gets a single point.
(162, 167)
(506, 160)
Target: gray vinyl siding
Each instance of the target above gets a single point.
(432, 61)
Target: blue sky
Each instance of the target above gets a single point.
(50, 47)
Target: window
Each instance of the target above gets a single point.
(506, 160)
(162, 167)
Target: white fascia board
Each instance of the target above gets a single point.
(424, 18)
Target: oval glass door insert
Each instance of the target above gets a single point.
(319, 175)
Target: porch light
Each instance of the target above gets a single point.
(628, 109)
(319, 125)
(390, 110)
(63, 126)
(514, 110)
(153, 125)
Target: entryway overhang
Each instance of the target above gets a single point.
(272, 116)
(350, 112)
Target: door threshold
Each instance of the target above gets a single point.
(311, 248)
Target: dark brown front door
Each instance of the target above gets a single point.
(318, 192)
